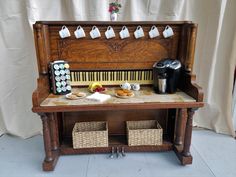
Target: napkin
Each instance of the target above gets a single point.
(99, 97)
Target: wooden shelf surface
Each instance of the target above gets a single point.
(114, 141)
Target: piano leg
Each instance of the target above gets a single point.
(51, 156)
(180, 126)
(183, 151)
(54, 131)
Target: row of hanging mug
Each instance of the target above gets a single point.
(124, 33)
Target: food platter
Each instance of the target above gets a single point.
(124, 97)
(75, 95)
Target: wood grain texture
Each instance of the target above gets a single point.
(180, 126)
(42, 91)
(187, 83)
(115, 54)
(188, 133)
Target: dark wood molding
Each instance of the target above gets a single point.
(88, 54)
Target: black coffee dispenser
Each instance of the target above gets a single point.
(166, 75)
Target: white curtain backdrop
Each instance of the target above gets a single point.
(215, 56)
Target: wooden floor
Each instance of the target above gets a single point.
(214, 155)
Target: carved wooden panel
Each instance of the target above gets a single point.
(114, 53)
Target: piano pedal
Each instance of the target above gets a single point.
(111, 156)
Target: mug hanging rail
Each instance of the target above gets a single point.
(109, 33)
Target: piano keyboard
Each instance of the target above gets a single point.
(80, 78)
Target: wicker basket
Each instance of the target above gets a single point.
(90, 134)
(147, 132)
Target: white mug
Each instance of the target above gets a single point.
(138, 32)
(126, 86)
(95, 33)
(110, 32)
(168, 32)
(153, 32)
(64, 32)
(79, 32)
(124, 33)
(135, 86)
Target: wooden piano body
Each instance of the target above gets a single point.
(113, 61)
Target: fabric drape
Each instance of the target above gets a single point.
(215, 57)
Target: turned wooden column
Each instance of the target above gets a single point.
(180, 127)
(46, 137)
(188, 132)
(54, 131)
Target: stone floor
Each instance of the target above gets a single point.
(213, 155)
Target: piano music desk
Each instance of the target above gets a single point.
(111, 62)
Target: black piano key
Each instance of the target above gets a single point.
(97, 77)
(102, 76)
(79, 76)
(89, 76)
(74, 76)
(70, 76)
(111, 76)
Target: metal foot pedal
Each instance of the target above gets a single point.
(111, 156)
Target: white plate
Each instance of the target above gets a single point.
(77, 97)
(124, 97)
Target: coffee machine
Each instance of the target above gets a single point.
(166, 75)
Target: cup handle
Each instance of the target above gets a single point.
(63, 27)
(153, 27)
(124, 27)
(109, 27)
(94, 27)
(167, 27)
(138, 27)
(78, 27)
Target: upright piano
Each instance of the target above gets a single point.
(111, 62)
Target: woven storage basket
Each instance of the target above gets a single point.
(146, 132)
(90, 134)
